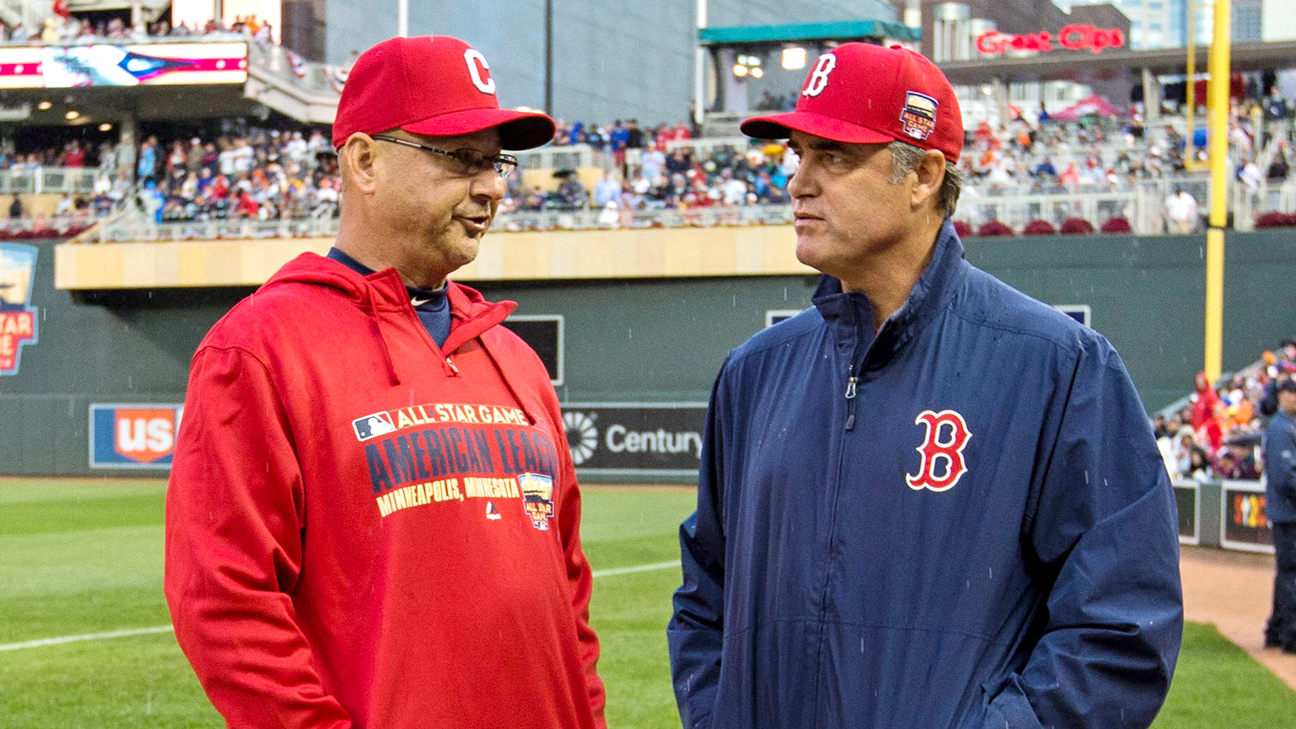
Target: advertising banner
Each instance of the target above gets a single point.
(54, 67)
(18, 319)
(661, 439)
(1243, 524)
(140, 436)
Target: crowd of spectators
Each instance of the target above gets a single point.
(259, 175)
(1115, 153)
(1217, 434)
(683, 179)
(272, 174)
(65, 29)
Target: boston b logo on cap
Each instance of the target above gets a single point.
(860, 93)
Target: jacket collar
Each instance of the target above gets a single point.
(929, 297)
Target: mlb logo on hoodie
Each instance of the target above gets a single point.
(372, 426)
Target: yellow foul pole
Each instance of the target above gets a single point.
(1218, 109)
(1190, 90)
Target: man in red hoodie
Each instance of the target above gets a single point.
(373, 516)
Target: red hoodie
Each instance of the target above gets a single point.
(367, 530)
(1203, 412)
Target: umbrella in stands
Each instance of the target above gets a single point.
(1092, 105)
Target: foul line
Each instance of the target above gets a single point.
(89, 636)
(637, 568)
(167, 628)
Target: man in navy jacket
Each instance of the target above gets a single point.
(1280, 507)
(929, 501)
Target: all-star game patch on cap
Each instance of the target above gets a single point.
(431, 85)
(862, 93)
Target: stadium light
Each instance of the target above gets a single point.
(757, 72)
(739, 70)
(794, 59)
(105, 127)
(44, 105)
(72, 114)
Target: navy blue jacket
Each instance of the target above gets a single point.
(822, 589)
(1280, 469)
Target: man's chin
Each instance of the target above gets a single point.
(809, 253)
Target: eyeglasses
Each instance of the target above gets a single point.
(471, 161)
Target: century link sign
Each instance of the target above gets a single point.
(628, 439)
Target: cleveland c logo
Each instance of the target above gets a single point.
(479, 71)
(947, 435)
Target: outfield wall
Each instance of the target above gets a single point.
(649, 340)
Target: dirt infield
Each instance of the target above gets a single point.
(1234, 591)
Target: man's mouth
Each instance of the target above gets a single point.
(476, 224)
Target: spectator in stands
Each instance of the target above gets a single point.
(652, 164)
(1278, 167)
(1199, 466)
(572, 195)
(634, 142)
(733, 191)
(16, 208)
(1205, 413)
(617, 140)
(74, 155)
(1181, 212)
(607, 190)
(148, 159)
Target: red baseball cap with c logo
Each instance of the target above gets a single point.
(862, 93)
(432, 85)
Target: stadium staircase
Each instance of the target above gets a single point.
(283, 81)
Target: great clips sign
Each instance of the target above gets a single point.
(133, 436)
(1071, 38)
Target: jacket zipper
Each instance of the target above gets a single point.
(852, 380)
(852, 385)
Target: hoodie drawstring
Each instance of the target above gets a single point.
(372, 308)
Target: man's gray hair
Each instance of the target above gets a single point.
(905, 158)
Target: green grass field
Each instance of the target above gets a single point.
(85, 557)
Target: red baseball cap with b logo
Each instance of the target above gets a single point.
(433, 85)
(862, 93)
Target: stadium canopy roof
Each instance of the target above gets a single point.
(804, 32)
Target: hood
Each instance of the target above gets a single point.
(384, 292)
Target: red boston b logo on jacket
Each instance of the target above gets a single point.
(942, 451)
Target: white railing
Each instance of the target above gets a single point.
(36, 180)
(661, 218)
(53, 227)
(707, 145)
(564, 158)
(1016, 210)
(135, 228)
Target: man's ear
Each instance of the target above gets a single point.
(931, 175)
(356, 163)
